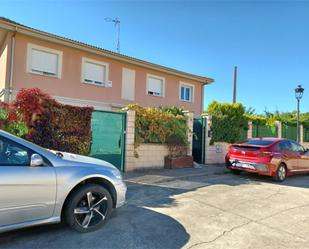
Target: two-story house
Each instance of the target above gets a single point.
(80, 74)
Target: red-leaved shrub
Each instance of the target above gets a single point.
(54, 125)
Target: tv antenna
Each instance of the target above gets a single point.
(116, 22)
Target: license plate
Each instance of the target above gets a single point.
(244, 165)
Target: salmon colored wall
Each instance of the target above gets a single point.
(70, 84)
(4, 51)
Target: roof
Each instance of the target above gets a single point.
(20, 28)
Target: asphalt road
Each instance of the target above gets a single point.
(205, 208)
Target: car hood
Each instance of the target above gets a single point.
(84, 159)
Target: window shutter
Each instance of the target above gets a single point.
(94, 73)
(155, 86)
(44, 62)
(128, 84)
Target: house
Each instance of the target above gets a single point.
(80, 74)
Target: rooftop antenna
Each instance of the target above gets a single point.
(116, 22)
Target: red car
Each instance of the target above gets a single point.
(273, 157)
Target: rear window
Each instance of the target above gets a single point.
(260, 142)
(243, 147)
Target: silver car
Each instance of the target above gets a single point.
(39, 186)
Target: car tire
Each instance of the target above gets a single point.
(88, 208)
(281, 173)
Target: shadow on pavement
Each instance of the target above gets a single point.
(130, 227)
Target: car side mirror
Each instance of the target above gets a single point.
(36, 160)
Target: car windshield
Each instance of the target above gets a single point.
(53, 152)
(259, 142)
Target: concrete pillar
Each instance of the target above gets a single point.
(301, 134)
(130, 138)
(250, 129)
(190, 120)
(279, 125)
(207, 148)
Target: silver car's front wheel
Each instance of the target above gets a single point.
(88, 208)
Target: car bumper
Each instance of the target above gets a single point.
(253, 167)
(121, 190)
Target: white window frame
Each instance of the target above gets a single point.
(47, 50)
(188, 85)
(101, 63)
(163, 85)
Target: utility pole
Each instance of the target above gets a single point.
(235, 84)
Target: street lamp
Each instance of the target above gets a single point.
(299, 91)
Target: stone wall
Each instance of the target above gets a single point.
(148, 156)
(215, 154)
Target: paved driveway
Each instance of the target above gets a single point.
(193, 208)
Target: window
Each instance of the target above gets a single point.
(44, 61)
(94, 72)
(285, 146)
(260, 142)
(186, 92)
(297, 147)
(13, 154)
(155, 85)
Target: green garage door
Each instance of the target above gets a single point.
(108, 137)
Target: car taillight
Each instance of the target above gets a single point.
(265, 153)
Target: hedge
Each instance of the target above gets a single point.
(228, 122)
(160, 125)
(12, 121)
(54, 125)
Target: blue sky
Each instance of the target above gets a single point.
(267, 40)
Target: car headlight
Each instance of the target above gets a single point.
(117, 173)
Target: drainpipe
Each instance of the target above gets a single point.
(202, 96)
(10, 90)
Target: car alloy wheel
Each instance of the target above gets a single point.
(281, 173)
(88, 208)
(91, 209)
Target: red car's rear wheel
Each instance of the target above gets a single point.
(281, 173)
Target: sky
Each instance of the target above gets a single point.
(267, 40)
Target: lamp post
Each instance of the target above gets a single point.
(299, 91)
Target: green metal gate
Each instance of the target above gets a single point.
(108, 137)
(199, 130)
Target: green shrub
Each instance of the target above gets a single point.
(12, 121)
(159, 125)
(228, 121)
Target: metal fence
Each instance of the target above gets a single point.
(243, 135)
(306, 134)
(289, 132)
(264, 131)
